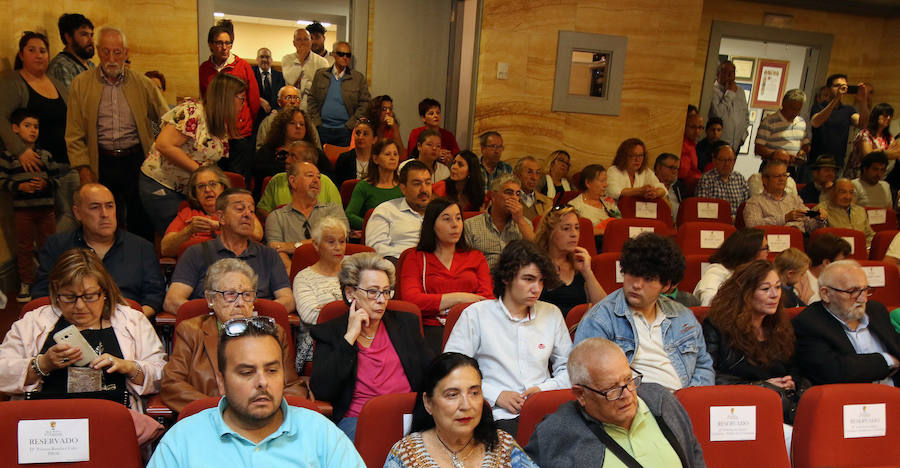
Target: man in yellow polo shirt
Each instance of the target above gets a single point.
(615, 421)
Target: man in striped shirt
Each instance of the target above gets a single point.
(785, 130)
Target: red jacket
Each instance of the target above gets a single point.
(241, 69)
(469, 272)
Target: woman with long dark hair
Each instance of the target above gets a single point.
(742, 247)
(875, 137)
(749, 335)
(384, 122)
(382, 183)
(629, 175)
(465, 184)
(450, 427)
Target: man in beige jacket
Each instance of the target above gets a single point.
(108, 127)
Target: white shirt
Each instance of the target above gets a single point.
(393, 227)
(731, 107)
(513, 354)
(650, 357)
(618, 180)
(756, 185)
(709, 283)
(294, 69)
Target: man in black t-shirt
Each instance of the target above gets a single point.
(831, 120)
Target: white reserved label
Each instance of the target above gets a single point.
(875, 276)
(634, 231)
(645, 210)
(732, 423)
(53, 441)
(779, 242)
(877, 216)
(864, 421)
(620, 277)
(708, 210)
(711, 239)
(852, 243)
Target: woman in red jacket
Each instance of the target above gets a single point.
(443, 271)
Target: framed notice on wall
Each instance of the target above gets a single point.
(768, 87)
(743, 68)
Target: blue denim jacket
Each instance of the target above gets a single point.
(612, 319)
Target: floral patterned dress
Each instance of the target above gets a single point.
(878, 143)
(190, 120)
(410, 452)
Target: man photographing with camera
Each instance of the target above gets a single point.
(831, 119)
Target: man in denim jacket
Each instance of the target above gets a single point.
(660, 337)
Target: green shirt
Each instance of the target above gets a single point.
(365, 197)
(278, 192)
(644, 441)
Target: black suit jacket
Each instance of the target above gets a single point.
(277, 80)
(334, 360)
(825, 354)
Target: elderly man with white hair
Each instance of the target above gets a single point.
(287, 96)
(614, 416)
(845, 337)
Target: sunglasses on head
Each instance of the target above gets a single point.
(238, 326)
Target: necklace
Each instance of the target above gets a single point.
(370, 338)
(454, 456)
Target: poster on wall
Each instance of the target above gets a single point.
(747, 87)
(743, 68)
(768, 87)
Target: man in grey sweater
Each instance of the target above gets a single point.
(612, 408)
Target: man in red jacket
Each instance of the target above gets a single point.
(221, 60)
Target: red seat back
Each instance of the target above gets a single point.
(702, 237)
(642, 208)
(332, 152)
(818, 438)
(739, 216)
(857, 240)
(536, 407)
(236, 180)
(620, 230)
(380, 425)
(700, 312)
(889, 292)
(42, 301)
(693, 270)
(398, 289)
(877, 214)
(573, 318)
(197, 406)
(306, 255)
(775, 236)
(347, 190)
(265, 183)
(767, 449)
(452, 318)
(880, 244)
(112, 438)
(606, 269)
(362, 239)
(689, 210)
(564, 198)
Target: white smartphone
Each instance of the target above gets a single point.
(72, 337)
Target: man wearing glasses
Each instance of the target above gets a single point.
(491, 166)
(660, 337)
(253, 424)
(845, 337)
(338, 98)
(721, 181)
(502, 223)
(666, 170)
(288, 96)
(641, 423)
(776, 207)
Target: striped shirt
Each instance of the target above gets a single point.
(777, 133)
(12, 174)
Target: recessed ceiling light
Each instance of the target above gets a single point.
(218, 14)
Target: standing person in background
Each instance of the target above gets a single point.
(338, 98)
(729, 104)
(384, 122)
(77, 34)
(300, 67)
(785, 131)
(241, 146)
(269, 80)
(831, 121)
(317, 41)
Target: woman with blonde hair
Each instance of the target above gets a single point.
(194, 134)
(557, 236)
(792, 265)
(555, 170)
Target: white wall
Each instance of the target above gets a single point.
(468, 50)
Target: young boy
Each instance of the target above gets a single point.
(705, 146)
(32, 194)
(430, 112)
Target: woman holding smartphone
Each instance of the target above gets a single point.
(370, 350)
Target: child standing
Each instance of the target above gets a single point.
(32, 195)
(430, 112)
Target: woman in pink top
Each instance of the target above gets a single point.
(443, 271)
(370, 350)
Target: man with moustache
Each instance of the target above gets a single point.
(270, 81)
(77, 33)
(108, 127)
(845, 337)
(395, 225)
(253, 424)
(614, 416)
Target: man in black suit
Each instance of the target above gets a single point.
(845, 338)
(269, 81)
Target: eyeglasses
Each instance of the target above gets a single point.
(386, 109)
(672, 168)
(856, 292)
(88, 298)
(222, 43)
(376, 294)
(616, 393)
(778, 176)
(511, 192)
(338, 53)
(238, 326)
(212, 186)
(494, 147)
(637, 156)
(231, 296)
(291, 98)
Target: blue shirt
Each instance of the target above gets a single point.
(191, 267)
(864, 342)
(305, 438)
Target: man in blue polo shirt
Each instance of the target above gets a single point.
(253, 424)
(234, 207)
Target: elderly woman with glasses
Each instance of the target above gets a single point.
(191, 372)
(126, 357)
(197, 222)
(370, 350)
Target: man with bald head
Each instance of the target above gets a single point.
(729, 104)
(614, 418)
(269, 80)
(300, 67)
(130, 260)
(843, 212)
(288, 96)
(845, 337)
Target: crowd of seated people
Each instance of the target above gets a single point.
(490, 247)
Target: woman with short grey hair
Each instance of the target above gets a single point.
(356, 358)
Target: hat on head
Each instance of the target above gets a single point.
(825, 160)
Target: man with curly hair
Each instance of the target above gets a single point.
(660, 337)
